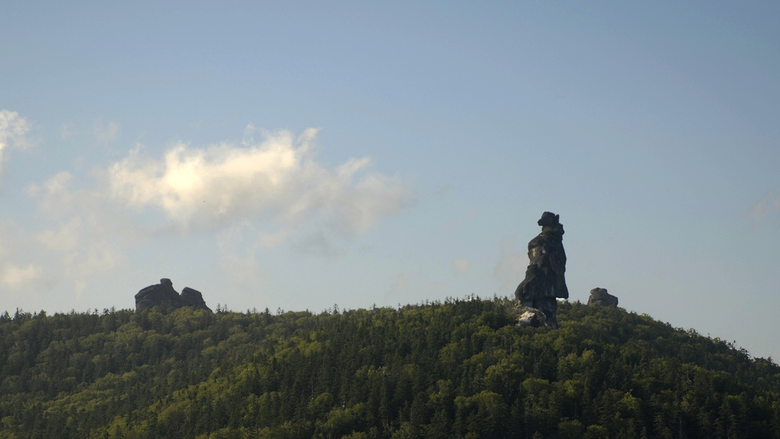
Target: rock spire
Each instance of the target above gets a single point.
(544, 279)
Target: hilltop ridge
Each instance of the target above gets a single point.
(461, 368)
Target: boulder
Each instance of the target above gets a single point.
(164, 295)
(531, 317)
(600, 296)
(544, 279)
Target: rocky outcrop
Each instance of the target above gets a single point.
(544, 279)
(600, 296)
(164, 295)
(193, 298)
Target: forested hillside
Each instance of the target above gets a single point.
(456, 369)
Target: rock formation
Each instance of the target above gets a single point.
(163, 294)
(531, 317)
(544, 279)
(600, 296)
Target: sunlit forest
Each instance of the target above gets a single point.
(455, 369)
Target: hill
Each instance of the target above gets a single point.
(454, 369)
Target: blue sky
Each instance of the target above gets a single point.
(302, 155)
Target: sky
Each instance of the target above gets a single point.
(302, 155)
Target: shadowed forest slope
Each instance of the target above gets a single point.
(454, 369)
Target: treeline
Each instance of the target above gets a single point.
(458, 369)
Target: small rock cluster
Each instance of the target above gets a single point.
(163, 294)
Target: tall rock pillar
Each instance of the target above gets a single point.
(544, 279)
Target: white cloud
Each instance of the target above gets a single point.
(19, 268)
(767, 204)
(271, 240)
(55, 194)
(63, 239)
(255, 196)
(13, 132)
(71, 252)
(461, 265)
(511, 265)
(105, 133)
(237, 255)
(101, 256)
(87, 236)
(277, 178)
(14, 276)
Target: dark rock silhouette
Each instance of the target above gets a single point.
(600, 296)
(544, 279)
(164, 295)
(193, 298)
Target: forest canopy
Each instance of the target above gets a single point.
(459, 369)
